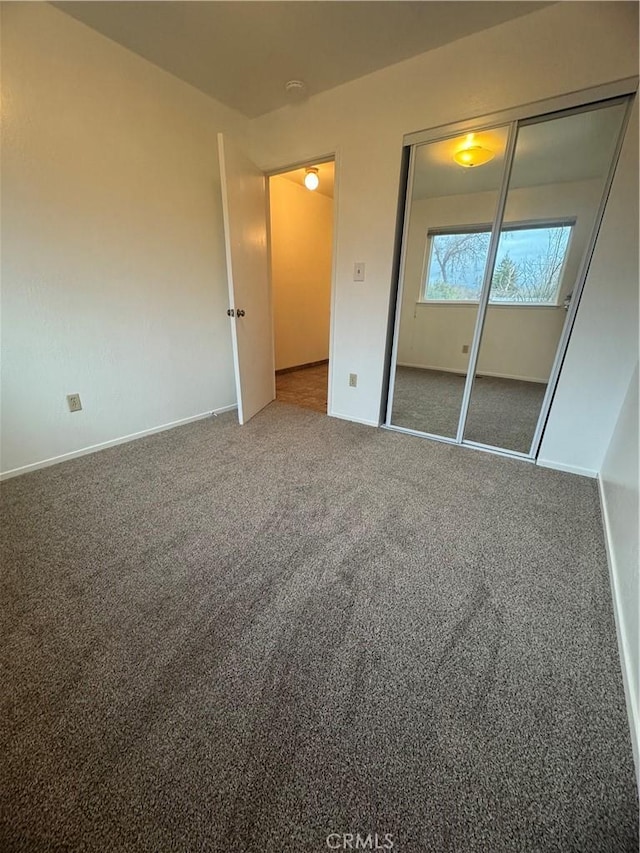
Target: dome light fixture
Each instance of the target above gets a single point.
(296, 91)
(471, 154)
(294, 87)
(311, 179)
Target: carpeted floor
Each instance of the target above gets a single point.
(306, 387)
(502, 412)
(246, 639)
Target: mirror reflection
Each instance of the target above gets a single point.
(559, 172)
(454, 193)
(557, 179)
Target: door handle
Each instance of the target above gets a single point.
(230, 312)
(239, 313)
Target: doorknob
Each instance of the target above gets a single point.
(239, 313)
(230, 312)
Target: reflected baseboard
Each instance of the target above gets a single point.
(479, 375)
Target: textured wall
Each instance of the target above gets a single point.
(113, 271)
(301, 253)
(619, 482)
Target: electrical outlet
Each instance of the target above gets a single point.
(465, 348)
(353, 380)
(73, 401)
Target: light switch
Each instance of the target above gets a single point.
(358, 271)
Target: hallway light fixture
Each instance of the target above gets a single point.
(471, 154)
(311, 179)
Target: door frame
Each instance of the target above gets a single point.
(512, 118)
(290, 167)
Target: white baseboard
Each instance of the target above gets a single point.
(94, 448)
(478, 372)
(633, 711)
(220, 411)
(569, 469)
(354, 420)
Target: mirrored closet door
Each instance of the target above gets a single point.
(500, 224)
(450, 214)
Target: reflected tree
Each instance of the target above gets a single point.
(530, 275)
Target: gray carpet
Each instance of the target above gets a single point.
(245, 639)
(502, 412)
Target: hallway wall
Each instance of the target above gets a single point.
(301, 251)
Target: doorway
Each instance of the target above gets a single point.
(301, 213)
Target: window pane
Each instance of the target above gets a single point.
(456, 266)
(529, 265)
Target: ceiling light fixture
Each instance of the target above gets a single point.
(471, 154)
(311, 179)
(296, 89)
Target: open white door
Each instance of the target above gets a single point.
(244, 206)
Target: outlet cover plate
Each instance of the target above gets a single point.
(73, 401)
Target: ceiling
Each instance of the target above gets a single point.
(569, 148)
(242, 53)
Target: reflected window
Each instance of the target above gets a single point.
(528, 271)
(455, 264)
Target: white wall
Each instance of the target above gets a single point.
(562, 48)
(113, 266)
(619, 490)
(113, 271)
(519, 342)
(604, 344)
(301, 252)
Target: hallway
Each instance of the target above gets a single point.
(306, 387)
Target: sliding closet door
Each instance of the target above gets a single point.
(450, 212)
(558, 175)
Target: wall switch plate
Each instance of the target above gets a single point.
(358, 271)
(73, 401)
(353, 380)
(465, 347)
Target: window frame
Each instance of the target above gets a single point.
(481, 228)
